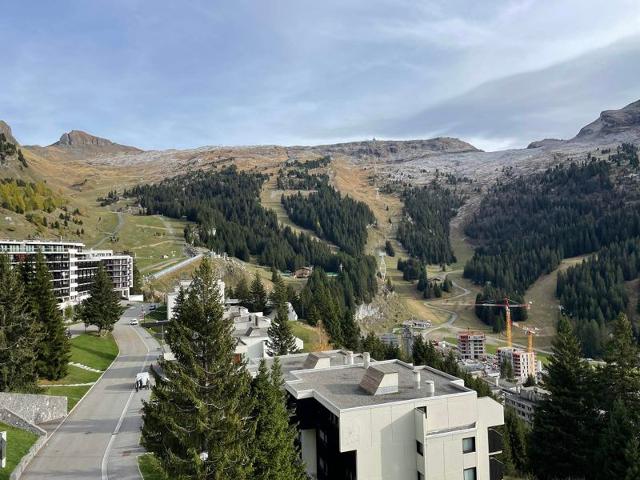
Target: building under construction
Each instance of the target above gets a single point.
(472, 345)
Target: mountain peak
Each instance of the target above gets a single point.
(6, 129)
(84, 144)
(620, 124)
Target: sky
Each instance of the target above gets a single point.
(178, 74)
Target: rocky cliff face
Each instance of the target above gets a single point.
(6, 129)
(620, 125)
(78, 139)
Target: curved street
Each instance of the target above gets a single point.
(100, 438)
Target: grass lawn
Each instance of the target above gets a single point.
(88, 349)
(74, 375)
(308, 334)
(94, 351)
(150, 468)
(73, 394)
(18, 442)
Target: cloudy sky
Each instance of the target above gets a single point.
(162, 74)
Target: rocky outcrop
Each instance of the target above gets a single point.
(79, 140)
(546, 142)
(6, 129)
(623, 124)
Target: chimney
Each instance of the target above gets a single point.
(431, 387)
(416, 379)
(257, 321)
(365, 358)
(350, 358)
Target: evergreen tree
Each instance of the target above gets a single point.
(136, 288)
(351, 332)
(102, 308)
(515, 435)
(19, 333)
(201, 407)
(53, 350)
(611, 454)
(632, 458)
(564, 424)
(258, 295)
(620, 377)
(242, 292)
(276, 454)
(281, 340)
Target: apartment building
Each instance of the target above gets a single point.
(72, 266)
(524, 400)
(523, 362)
(366, 420)
(471, 345)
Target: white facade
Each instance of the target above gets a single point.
(418, 423)
(524, 400)
(72, 266)
(523, 362)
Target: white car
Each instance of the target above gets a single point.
(133, 321)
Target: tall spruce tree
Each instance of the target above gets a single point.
(515, 436)
(53, 350)
(276, 455)
(136, 288)
(202, 406)
(19, 333)
(102, 308)
(242, 292)
(620, 377)
(565, 422)
(350, 331)
(612, 455)
(257, 294)
(281, 340)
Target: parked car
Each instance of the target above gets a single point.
(133, 321)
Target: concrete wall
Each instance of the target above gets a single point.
(35, 408)
(10, 418)
(385, 437)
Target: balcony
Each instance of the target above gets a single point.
(496, 469)
(495, 442)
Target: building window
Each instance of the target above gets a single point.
(323, 436)
(419, 447)
(469, 445)
(420, 476)
(469, 473)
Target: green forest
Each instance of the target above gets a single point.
(341, 220)
(526, 225)
(424, 228)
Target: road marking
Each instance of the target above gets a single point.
(105, 458)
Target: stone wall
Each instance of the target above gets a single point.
(35, 408)
(10, 418)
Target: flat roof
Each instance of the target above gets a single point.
(294, 362)
(340, 387)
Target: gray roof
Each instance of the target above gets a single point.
(296, 361)
(341, 388)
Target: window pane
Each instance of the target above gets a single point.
(470, 473)
(419, 448)
(468, 444)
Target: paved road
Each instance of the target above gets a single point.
(175, 267)
(99, 440)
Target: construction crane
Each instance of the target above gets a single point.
(507, 314)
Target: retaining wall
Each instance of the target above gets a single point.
(35, 408)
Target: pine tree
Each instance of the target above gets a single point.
(202, 406)
(564, 424)
(351, 332)
(136, 288)
(258, 295)
(19, 333)
(102, 308)
(281, 340)
(516, 436)
(276, 455)
(621, 376)
(611, 455)
(242, 292)
(632, 458)
(53, 351)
